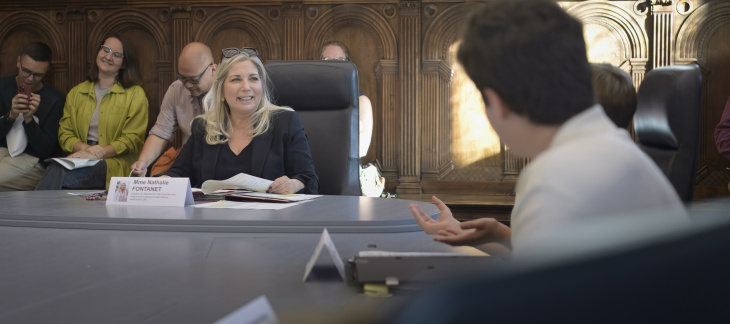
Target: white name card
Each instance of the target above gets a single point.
(325, 241)
(259, 311)
(150, 192)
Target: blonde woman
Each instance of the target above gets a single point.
(243, 132)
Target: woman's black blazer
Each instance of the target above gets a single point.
(283, 150)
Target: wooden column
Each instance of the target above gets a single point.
(293, 31)
(181, 33)
(77, 47)
(663, 32)
(387, 71)
(409, 164)
(435, 131)
(512, 164)
(638, 70)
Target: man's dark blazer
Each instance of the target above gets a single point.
(283, 150)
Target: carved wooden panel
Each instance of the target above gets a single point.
(401, 49)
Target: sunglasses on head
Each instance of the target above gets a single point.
(233, 51)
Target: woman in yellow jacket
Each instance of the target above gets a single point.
(104, 118)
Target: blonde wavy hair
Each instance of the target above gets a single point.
(218, 113)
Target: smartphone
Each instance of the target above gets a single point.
(26, 91)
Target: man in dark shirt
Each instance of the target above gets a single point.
(34, 117)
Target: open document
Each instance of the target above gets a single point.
(239, 181)
(74, 163)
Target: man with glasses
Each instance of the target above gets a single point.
(29, 124)
(182, 103)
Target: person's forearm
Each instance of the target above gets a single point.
(109, 151)
(152, 149)
(296, 185)
(80, 146)
(495, 249)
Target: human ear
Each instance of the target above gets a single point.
(495, 105)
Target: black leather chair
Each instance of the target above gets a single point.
(325, 95)
(667, 122)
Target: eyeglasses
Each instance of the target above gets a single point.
(193, 80)
(330, 58)
(231, 52)
(27, 73)
(108, 50)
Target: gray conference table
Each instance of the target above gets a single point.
(67, 260)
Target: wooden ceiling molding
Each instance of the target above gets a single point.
(37, 23)
(124, 19)
(627, 28)
(267, 38)
(444, 32)
(349, 15)
(694, 34)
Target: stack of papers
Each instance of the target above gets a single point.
(239, 181)
(248, 196)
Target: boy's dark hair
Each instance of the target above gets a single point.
(335, 43)
(615, 92)
(531, 53)
(128, 75)
(38, 51)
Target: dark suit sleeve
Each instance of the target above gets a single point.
(6, 98)
(43, 138)
(184, 165)
(298, 161)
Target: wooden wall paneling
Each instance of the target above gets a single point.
(663, 34)
(181, 29)
(181, 35)
(623, 25)
(438, 39)
(376, 59)
(702, 37)
(513, 164)
(77, 33)
(22, 27)
(240, 27)
(293, 30)
(409, 172)
(387, 73)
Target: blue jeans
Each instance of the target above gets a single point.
(57, 177)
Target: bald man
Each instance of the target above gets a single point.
(182, 103)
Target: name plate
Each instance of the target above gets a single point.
(150, 192)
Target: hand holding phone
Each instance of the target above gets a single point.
(26, 91)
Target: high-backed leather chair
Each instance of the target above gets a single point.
(325, 95)
(667, 122)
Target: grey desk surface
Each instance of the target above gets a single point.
(67, 260)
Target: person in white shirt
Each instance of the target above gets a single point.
(528, 58)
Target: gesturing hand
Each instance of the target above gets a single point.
(430, 226)
(476, 232)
